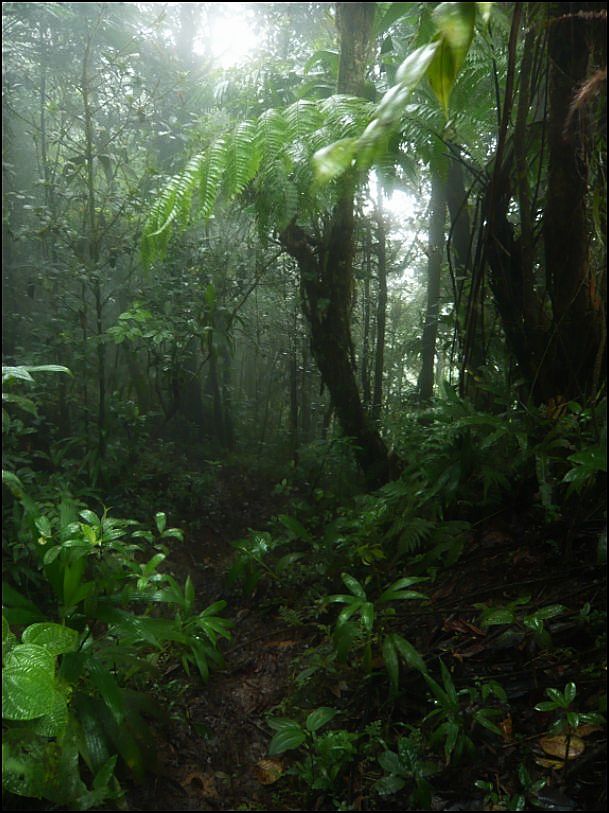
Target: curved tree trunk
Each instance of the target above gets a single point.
(326, 269)
(434, 267)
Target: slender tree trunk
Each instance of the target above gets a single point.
(227, 415)
(305, 396)
(293, 422)
(435, 255)
(365, 371)
(93, 251)
(381, 313)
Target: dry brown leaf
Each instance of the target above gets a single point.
(279, 644)
(555, 764)
(506, 728)
(587, 729)
(557, 746)
(202, 784)
(268, 771)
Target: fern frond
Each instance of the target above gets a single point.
(271, 135)
(243, 156)
(302, 118)
(346, 116)
(412, 532)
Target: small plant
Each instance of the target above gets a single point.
(535, 621)
(359, 605)
(327, 754)
(454, 720)
(42, 745)
(407, 767)
(567, 718)
(252, 560)
(504, 801)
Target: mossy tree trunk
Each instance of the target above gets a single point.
(326, 269)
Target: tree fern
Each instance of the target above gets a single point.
(275, 150)
(243, 156)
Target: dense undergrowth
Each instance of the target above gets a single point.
(454, 620)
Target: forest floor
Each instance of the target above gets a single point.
(212, 753)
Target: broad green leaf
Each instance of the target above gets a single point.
(570, 693)
(280, 723)
(502, 615)
(367, 615)
(348, 611)
(546, 705)
(343, 598)
(449, 685)
(108, 688)
(334, 160)
(295, 527)
(352, 584)
(15, 372)
(43, 525)
(90, 517)
(414, 67)
(189, 592)
(152, 564)
(176, 533)
(456, 22)
(401, 595)
(452, 733)
(54, 723)
(390, 657)
(390, 762)
(442, 74)
(287, 739)
(55, 638)
(550, 611)
(49, 368)
(26, 404)
(13, 483)
(389, 785)
(160, 519)
(345, 636)
(28, 683)
(319, 718)
(437, 692)
(214, 608)
(482, 716)
(410, 655)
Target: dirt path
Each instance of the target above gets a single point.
(210, 754)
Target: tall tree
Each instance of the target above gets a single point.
(435, 255)
(326, 267)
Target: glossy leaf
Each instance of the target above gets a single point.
(409, 654)
(334, 160)
(354, 586)
(287, 739)
(28, 683)
(55, 638)
(319, 718)
(390, 657)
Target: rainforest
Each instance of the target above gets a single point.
(304, 406)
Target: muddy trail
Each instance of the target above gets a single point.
(212, 750)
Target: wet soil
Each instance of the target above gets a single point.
(212, 754)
